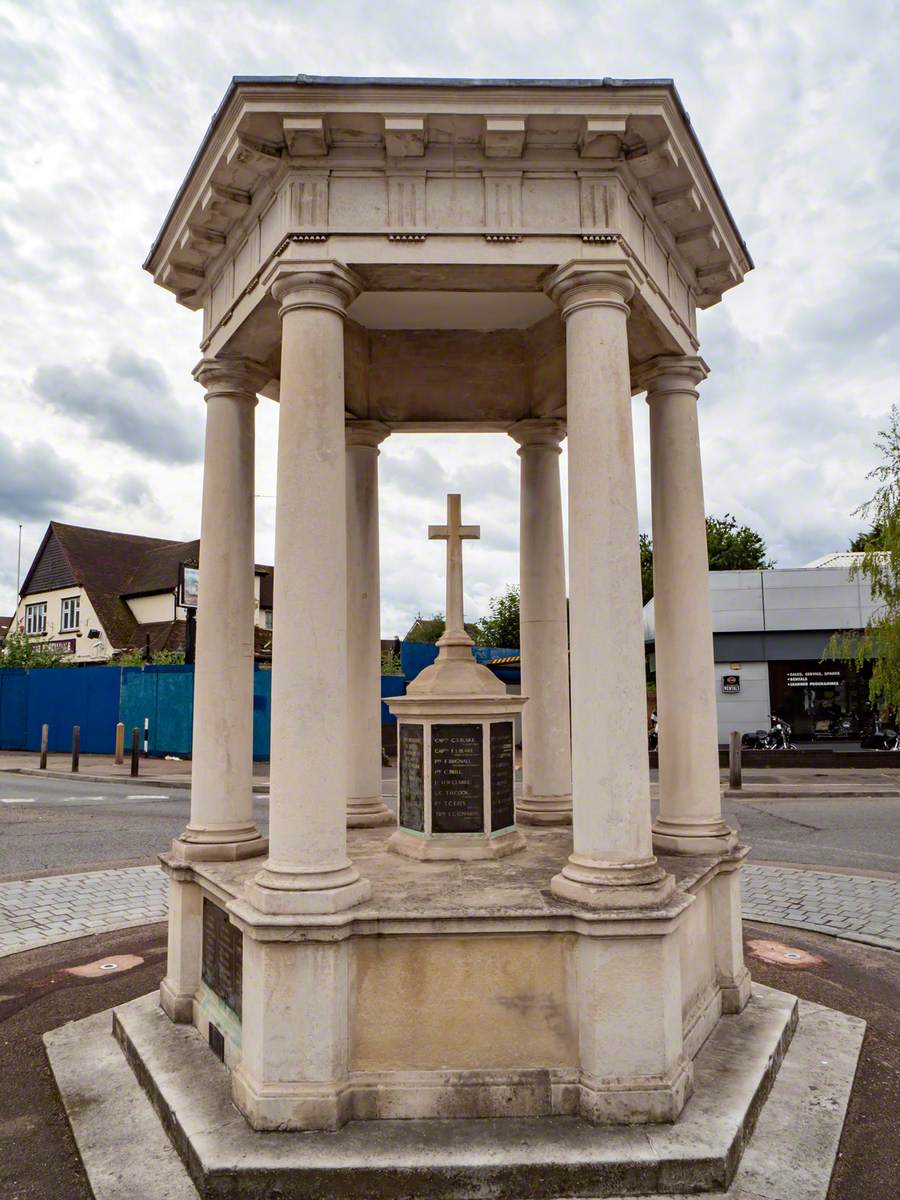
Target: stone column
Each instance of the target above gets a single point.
(308, 869)
(544, 639)
(612, 863)
(221, 821)
(365, 806)
(690, 796)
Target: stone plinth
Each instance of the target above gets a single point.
(467, 990)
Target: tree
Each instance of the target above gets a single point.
(880, 565)
(730, 547)
(866, 540)
(20, 651)
(501, 628)
(646, 568)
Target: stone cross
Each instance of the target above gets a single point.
(453, 534)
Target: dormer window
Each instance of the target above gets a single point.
(69, 614)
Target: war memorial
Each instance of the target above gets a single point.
(472, 996)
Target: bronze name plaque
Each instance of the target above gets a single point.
(412, 777)
(503, 805)
(457, 779)
(223, 957)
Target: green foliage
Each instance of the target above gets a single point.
(730, 547)
(390, 662)
(646, 568)
(162, 658)
(880, 565)
(427, 629)
(20, 651)
(733, 547)
(501, 628)
(867, 539)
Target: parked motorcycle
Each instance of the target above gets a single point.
(653, 732)
(776, 737)
(880, 737)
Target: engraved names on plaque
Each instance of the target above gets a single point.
(223, 957)
(457, 779)
(503, 807)
(412, 777)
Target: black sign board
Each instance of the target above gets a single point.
(457, 779)
(412, 781)
(223, 957)
(503, 805)
(731, 684)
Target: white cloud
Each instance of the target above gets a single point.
(795, 106)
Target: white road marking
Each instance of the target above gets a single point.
(76, 798)
(155, 796)
(17, 800)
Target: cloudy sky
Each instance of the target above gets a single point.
(104, 104)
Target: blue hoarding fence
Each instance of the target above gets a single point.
(97, 698)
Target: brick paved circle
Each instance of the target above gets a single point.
(37, 912)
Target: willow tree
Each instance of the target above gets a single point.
(879, 642)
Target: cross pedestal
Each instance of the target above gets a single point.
(456, 739)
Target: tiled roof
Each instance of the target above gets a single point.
(110, 566)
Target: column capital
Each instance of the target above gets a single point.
(670, 373)
(325, 284)
(582, 283)
(231, 376)
(537, 431)
(366, 433)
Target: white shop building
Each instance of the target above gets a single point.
(770, 630)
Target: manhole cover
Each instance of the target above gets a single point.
(781, 955)
(105, 966)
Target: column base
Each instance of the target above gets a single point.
(735, 992)
(613, 885)
(369, 813)
(178, 1006)
(702, 838)
(286, 893)
(544, 810)
(455, 847)
(186, 850)
(302, 1105)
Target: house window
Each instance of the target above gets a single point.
(267, 618)
(36, 618)
(69, 613)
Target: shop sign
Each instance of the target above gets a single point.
(731, 684)
(60, 646)
(188, 586)
(813, 678)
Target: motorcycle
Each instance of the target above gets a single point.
(776, 737)
(653, 732)
(880, 738)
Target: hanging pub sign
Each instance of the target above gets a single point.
(731, 684)
(188, 586)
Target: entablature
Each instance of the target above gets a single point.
(404, 163)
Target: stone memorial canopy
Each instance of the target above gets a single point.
(451, 203)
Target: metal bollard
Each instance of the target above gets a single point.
(734, 761)
(135, 750)
(45, 739)
(120, 744)
(76, 747)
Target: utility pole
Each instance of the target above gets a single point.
(19, 566)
